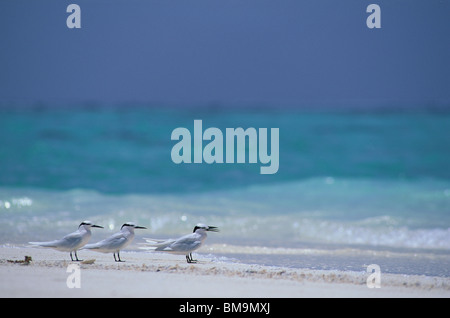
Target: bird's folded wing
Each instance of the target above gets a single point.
(112, 242)
(186, 244)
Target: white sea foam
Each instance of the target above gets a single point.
(321, 210)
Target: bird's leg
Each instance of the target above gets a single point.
(190, 259)
(76, 256)
(71, 256)
(118, 257)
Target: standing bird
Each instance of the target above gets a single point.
(184, 245)
(116, 242)
(73, 241)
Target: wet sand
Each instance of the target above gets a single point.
(147, 274)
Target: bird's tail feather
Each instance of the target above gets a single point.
(153, 244)
(154, 241)
(44, 244)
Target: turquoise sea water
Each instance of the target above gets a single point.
(126, 149)
(358, 178)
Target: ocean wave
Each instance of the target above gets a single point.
(320, 210)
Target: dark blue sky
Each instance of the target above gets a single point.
(225, 51)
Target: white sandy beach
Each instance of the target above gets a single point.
(147, 274)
